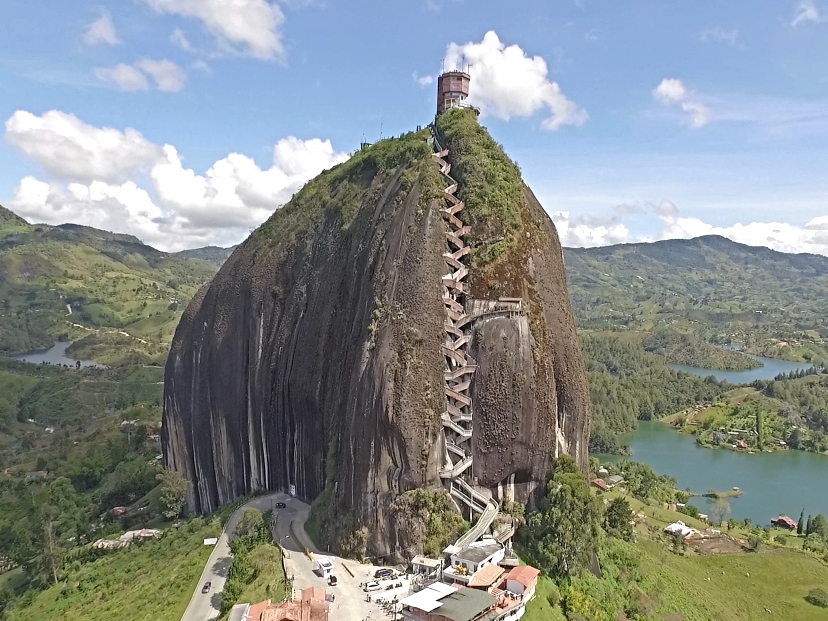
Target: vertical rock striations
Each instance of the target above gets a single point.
(314, 357)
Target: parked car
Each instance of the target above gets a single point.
(280, 505)
(206, 587)
(383, 573)
(372, 586)
(332, 580)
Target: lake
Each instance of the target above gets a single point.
(773, 483)
(771, 369)
(56, 354)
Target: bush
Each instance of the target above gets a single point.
(553, 595)
(781, 539)
(818, 597)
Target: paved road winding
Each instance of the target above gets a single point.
(207, 606)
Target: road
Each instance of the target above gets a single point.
(207, 606)
(350, 602)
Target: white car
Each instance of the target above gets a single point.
(372, 586)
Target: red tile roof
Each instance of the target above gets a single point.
(525, 574)
(785, 520)
(313, 593)
(600, 484)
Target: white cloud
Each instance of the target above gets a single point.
(591, 36)
(506, 83)
(178, 208)
(125, 77)
(807, 11)
(102, 30)
(723, 35)
(179, 39)
(68, 148)
(167, 75)
(585, 231)
(424, 80)
(672, 91)
(251, 27)
(669, 90)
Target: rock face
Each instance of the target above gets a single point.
(313, 360)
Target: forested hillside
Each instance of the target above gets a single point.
(628, 384)
(119, 298)
(724, 292)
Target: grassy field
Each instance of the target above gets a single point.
(734, 587)
(739, 586)
(150, 582)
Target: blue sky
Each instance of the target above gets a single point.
(187, 122)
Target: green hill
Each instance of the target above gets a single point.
(117, 297)
(211, 254)
(722, 291)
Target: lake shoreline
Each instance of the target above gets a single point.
(780, 482)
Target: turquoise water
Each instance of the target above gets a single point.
(56, 354)
(773, 483)
(771, 369)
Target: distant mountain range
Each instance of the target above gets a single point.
(722, 290)
(711, 286)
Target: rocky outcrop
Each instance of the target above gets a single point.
(313, 360)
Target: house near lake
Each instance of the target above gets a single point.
(783, 521)
(615, 480)
(600, 484)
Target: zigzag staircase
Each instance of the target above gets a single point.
(459, 372)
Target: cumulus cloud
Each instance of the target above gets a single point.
(586, 231)
(102, 30)
(506, 82)
(68, 148)
(723, 35)
(166, 74)
(807, 11)
(125, 77)
(672, 91)
(176, 208)
(250, 27)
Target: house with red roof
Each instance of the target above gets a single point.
(783, 521)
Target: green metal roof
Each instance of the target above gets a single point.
(465, 604)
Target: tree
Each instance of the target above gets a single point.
(251, 522)
(61, 520)
(818, 525)
(760, 429)
(561, 535)
(720, 511)
(818, 597)
(808, 530)
(617, 520)
(800, 525)
(174, 490)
